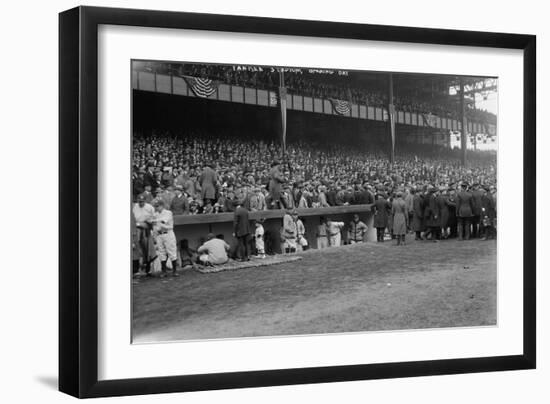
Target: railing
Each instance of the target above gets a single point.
(269, 214)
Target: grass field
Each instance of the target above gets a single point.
(363, 287)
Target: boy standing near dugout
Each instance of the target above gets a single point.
(259, 238)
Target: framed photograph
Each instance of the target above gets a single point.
(251, 201)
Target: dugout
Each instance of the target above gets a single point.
(194, 228)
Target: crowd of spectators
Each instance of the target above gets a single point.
(424, 191)
(313, 176)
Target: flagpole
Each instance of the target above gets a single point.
(391, 116)
(464, 123)
(282, 98)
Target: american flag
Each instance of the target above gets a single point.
(201, 87)
(341, 107)
(429, 119)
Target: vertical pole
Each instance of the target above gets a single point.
(282, 101)
(464, 132)
(474, 132)
(391, 118)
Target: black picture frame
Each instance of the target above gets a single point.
(78, 195)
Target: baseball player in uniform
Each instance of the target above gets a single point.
(301, 243)
(334, 229)
(163, 229)
(289, 233)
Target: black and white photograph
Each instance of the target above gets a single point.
(275, 201)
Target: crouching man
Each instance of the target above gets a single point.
(213, 251)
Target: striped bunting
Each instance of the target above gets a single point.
(341, 107)
(202, 87)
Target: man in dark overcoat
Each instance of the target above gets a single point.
(150, 178)
(276, 179)
(489, 213)
(477, 195)
(179, 204)
(417, 222)
(432, 215)
(208, 181)
(451, 206)
(464, 211)
(380, 208)
(443, 211)
(242, 231)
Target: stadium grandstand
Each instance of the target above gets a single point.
(330, 129)
(315, 158)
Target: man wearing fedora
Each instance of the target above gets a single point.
(464, 211)
(180, 204)
(489, 212)
(417, 224)
(443, 206)
(380, 208)
(276, 179)
(242, 230)
(477, 196)
(432, 214)
(208, 181)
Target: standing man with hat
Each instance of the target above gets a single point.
(242, 230)
(464, 211)
(357, 230)
(143, 215)
(400, 215)
(418, 214)
(451, 207)
(432, 215)
(489, 213)
(442, 199)
(180, 204)
(477, 196)
(163, 229)
(208, 181)
(275, 181)
(380, 208)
